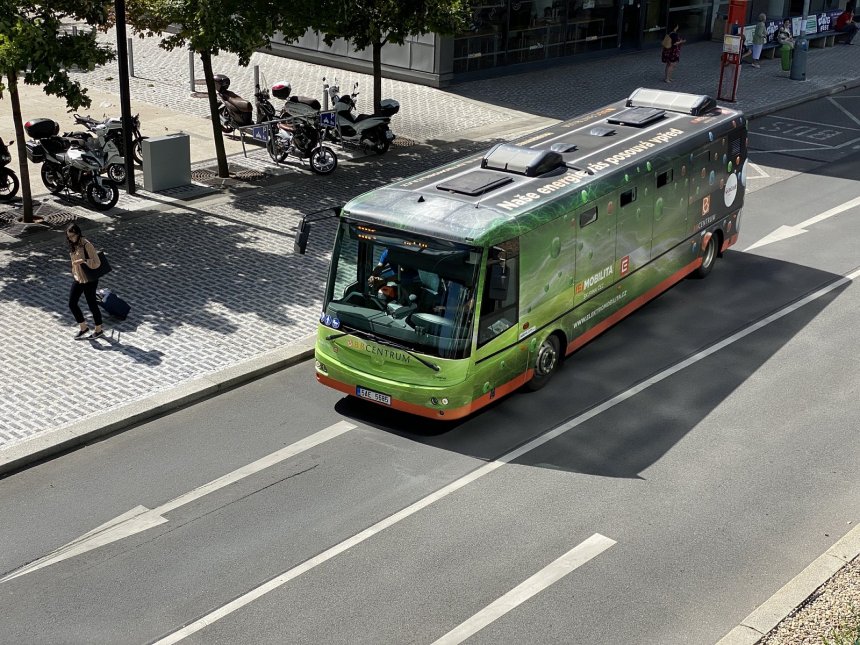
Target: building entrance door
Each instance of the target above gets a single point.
(630, 25)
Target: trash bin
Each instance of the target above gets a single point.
(166, 162)
(785, 53)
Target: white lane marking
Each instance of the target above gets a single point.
(823, 125)
(486, 469)
(843, 110)
(141, 518)
(785, 232)
(761, 173)
(553, 572)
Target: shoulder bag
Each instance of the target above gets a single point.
(103, 268)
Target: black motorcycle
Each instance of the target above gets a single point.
(295, 129)
(115, 134)
(9, 183)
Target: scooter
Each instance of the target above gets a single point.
(368, 131)
(115, 134)
(66, 168)
(9, 183)
(234, 111)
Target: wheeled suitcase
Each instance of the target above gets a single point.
(113, 304)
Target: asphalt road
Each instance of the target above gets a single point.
(682, 485)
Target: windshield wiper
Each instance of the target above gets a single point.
(371, 336)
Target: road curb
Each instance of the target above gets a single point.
(791, 596)
(136, 412)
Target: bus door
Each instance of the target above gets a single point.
(635, 217)
(670, 205)
(595, 248)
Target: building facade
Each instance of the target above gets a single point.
(506, 33)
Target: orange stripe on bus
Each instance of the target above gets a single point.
(632, 306)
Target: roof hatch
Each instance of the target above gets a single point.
(692, 104)
(475, 183)
(637, 116)
(522, 161)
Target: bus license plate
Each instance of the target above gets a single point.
(372, 396)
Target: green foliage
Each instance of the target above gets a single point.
(846, 634)
(34, 43)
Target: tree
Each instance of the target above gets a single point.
(34, 45)
(209, 27)
(374, 23)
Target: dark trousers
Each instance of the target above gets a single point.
(89, 291)
(850, 28)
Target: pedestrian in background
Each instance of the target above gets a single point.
(845, 23)
(758, 39)
(672, 42)
(83, 253)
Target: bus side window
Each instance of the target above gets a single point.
(664, 178)
(499, 315)
(628, 197)
(588, 217)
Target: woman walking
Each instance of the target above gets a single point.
(83, 253)
(759, 38)
(671, 53)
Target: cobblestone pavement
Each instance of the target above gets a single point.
(214, 284)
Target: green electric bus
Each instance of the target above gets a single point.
(452, 288)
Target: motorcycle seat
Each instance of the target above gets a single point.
(56, 145)
(236, 101)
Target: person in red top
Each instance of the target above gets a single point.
(845, 23)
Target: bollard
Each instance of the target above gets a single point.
(191, 70)
(74, 31)
(131, 57)
(256, 77)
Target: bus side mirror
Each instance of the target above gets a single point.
(302, 234)
(498, 282)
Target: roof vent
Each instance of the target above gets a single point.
(600, 131)
(563, 148)
(692, 104)
(637, 116)
(522, 161)
(475, 183)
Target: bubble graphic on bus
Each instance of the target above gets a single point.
(555, 247)
(712, 178)
(658, 208)
(730, 167)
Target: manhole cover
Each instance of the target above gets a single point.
(203, 174)
(8, 217)
(249, 175)
(60, 218)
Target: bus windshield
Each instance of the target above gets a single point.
(416, 292)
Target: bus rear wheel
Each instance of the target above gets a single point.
(546, 363)
(709, 257)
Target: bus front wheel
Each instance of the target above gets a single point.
(546, 362)
(709, 256)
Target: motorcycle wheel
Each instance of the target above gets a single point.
(323, 160)
(102, 197)
(9, 185)
(277, 155)
(116, 173)
(137, 152)
(381, 147)
(52, 177)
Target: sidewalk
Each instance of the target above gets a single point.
(217, 295)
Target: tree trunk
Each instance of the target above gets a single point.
(223, 170)
(20, 136)
(377, 76)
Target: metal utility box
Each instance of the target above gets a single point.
(166, 162)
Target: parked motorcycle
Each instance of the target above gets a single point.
(300, 135)
(115, 134)
(9, 183)
(368, 131)
(101, 139)
(67, 168)
(234, 111)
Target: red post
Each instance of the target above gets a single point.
(733, 40)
